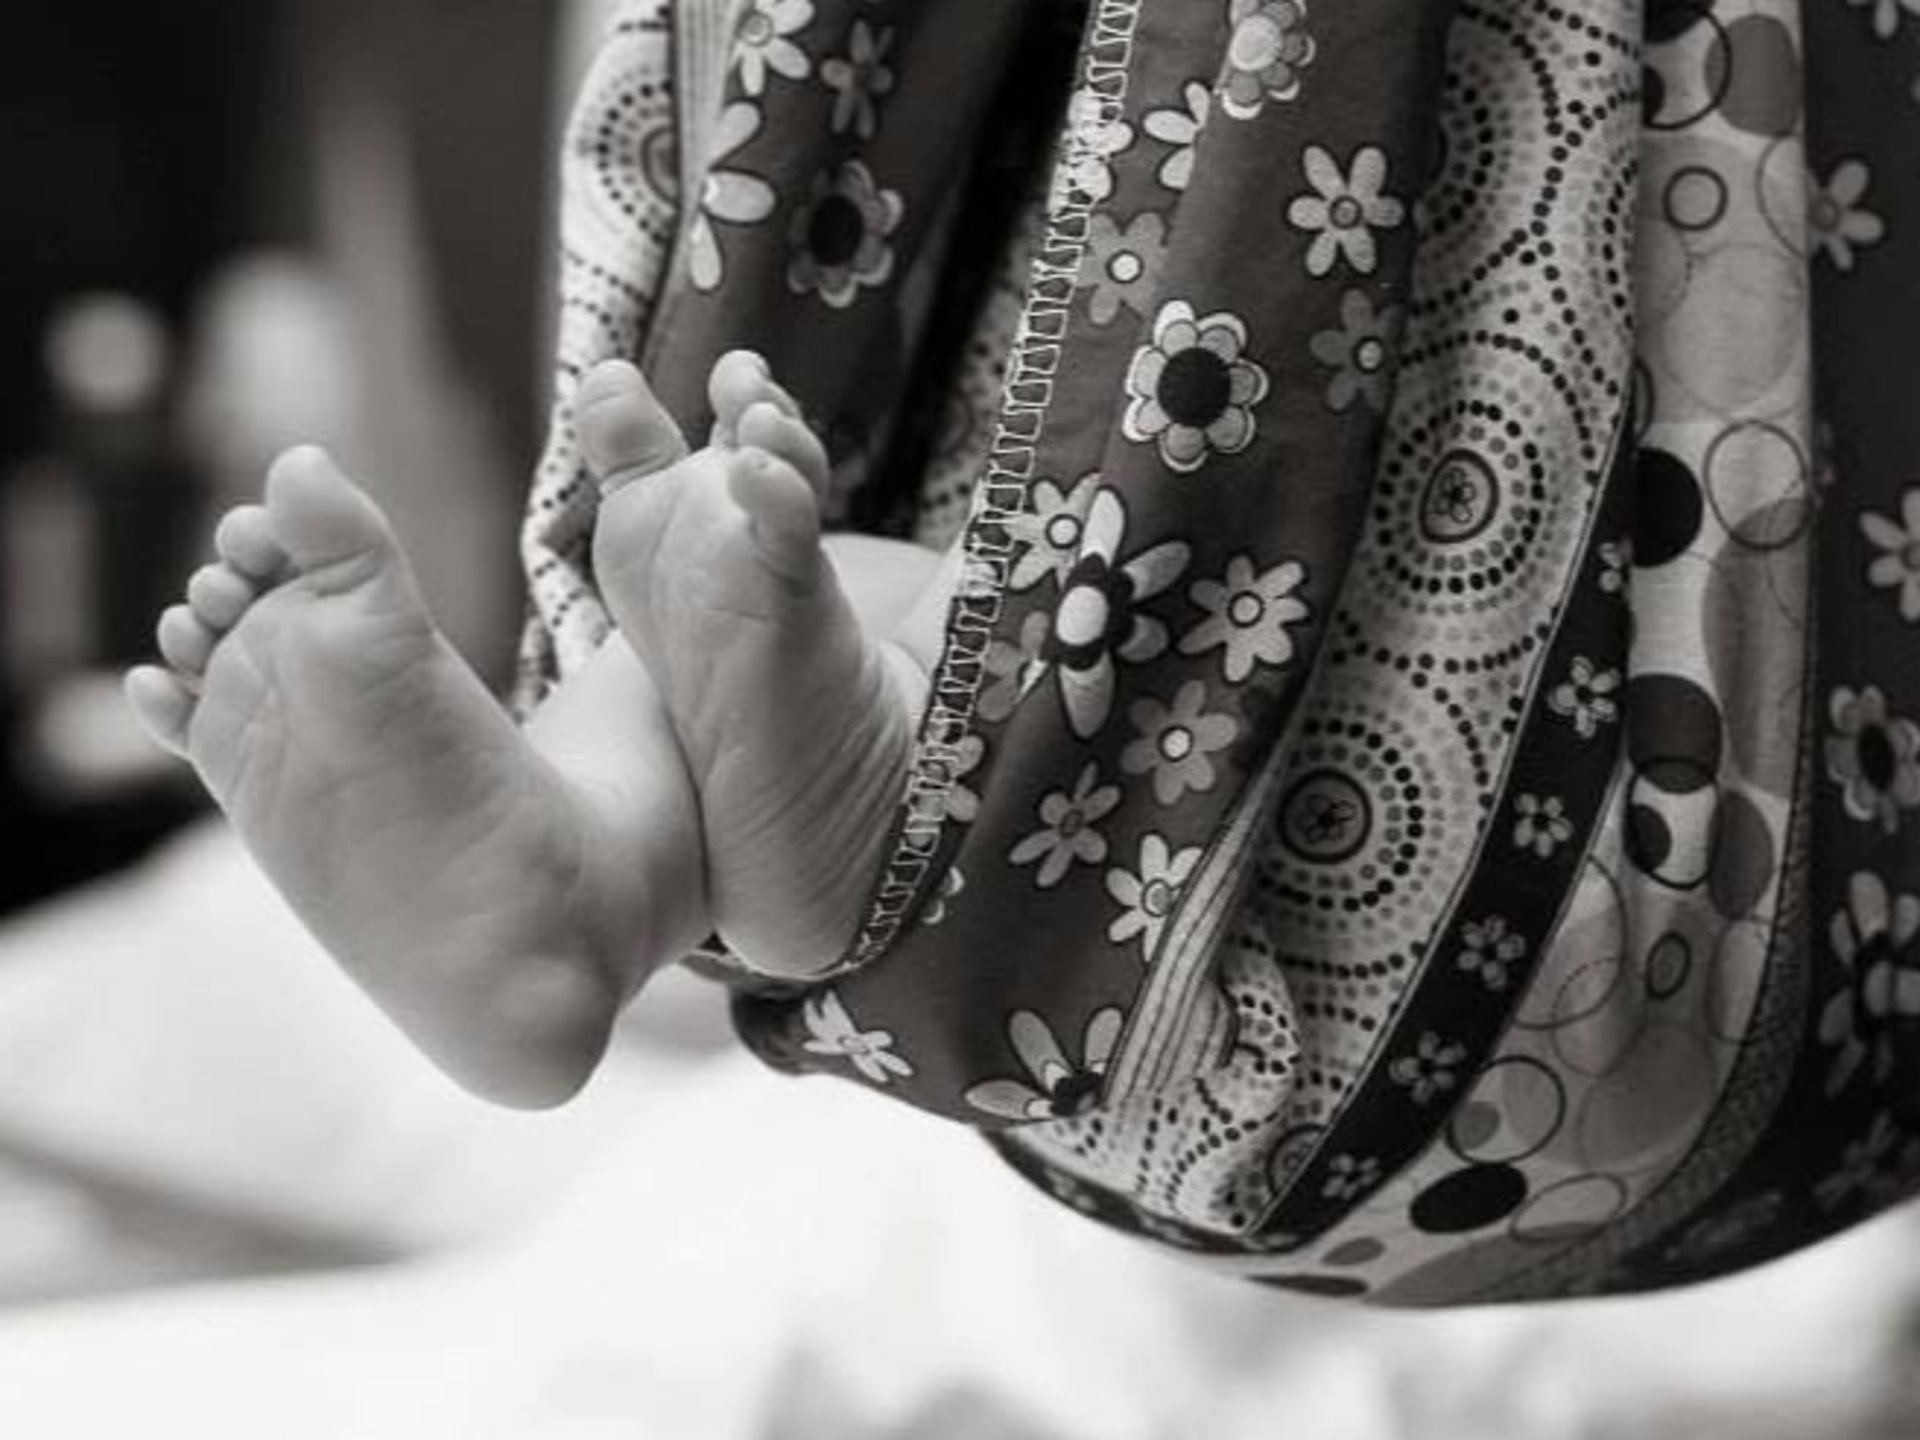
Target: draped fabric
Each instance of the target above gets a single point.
(1419, 792)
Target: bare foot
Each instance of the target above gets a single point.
(492, 907)
(798, 725)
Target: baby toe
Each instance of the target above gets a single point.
(782, 515)
(740, 380)
(765, 426)
(244, 539)
(162, 704)
(186, 642)
(219, 595)
(625, 432)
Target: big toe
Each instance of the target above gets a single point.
(321, 518)
(625, 432)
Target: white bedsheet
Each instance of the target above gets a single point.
(703, 1249)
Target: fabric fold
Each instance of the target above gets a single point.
(1417, 797)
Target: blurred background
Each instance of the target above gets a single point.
(232, 1202)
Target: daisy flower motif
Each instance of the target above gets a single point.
(1122, 265)
(1586, 697)
(1873, 937)
(761, 44)
(1350, 1176)
(1490, 950)
(1146, 895)
(1886, 14)
(1897, 566)
(1873, 757)
(1191, 389)
(1014, 667)
(1096, 136)
(1069, 831)
(860, 79)
(1098, 622)
(831, 1031)
(733, 197)
(1247, 614)
(1269, 48)
(839, 237)
(1180, 126)
(1837, 218)
(1864, 1168)
(1360, 353)
(1616, 564)
(1431, 1070)
(1050, 532)
(1344, 209)
(1543, 826)
(1055, 1086)
(1176, 743)
(962, 804)
(936, 909)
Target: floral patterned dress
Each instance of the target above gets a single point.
(1421, 791)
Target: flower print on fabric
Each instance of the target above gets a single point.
(762, 42)
(1873, 937)
(1180, 126)
(1099, 622)
(1727, 1230)
(1897, 566)
(1175, 744)
(1096, 136)
(1837, 219)
(1247, 614)
(860, 79)
(1267, 51)
(1122, 264)
(1055, 1086)
(1616, 561)
(1350, 1176)
(1014, 667)
(733, 197)
(941, 905)
(1069, 832)
(1873, 757)
(1864, 1168)
(1543, 825)
(1431, 1070)
(1586, 697)
(1191, 389)
(963, 806)
(1344, 209)
(1490, 949)
(831, 1031)
(1148, 893)
(1885, 14)
(1050, 532)
(1360, 353)
(839, 237)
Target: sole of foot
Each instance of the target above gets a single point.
(798, 725)
(449, 868)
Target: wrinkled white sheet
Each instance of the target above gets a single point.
(703, 1249)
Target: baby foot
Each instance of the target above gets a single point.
(797, 725)
(442, 861)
